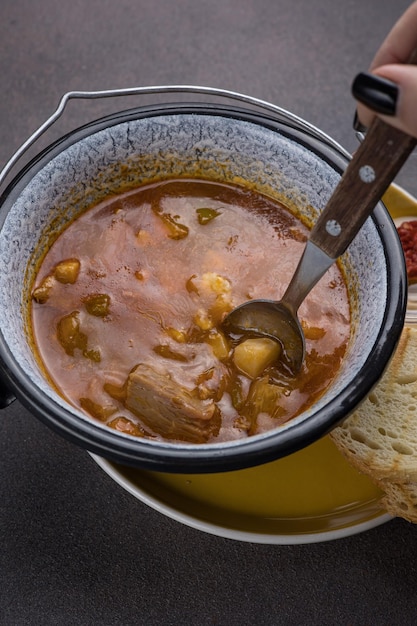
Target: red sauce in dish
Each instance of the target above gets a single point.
(407, 232)
(128, 300)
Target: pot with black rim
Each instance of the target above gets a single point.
(230, 136)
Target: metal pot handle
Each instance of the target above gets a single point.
(277, 113)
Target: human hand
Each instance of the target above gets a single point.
(390, 89)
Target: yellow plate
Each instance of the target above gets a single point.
(313, 495)
(400, 204)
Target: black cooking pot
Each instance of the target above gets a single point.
(239, 138)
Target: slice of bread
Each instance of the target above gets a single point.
(400, 499)
(380, 437)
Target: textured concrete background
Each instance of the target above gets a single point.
(75, 548)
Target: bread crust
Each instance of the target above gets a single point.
(380, 437)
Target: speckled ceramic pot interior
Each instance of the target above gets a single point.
(220, 144)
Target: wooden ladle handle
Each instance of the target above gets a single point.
(369, 173)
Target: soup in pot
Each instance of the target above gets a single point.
(128, 302)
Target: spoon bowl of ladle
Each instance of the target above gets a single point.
(367, 176)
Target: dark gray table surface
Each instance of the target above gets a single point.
(75, 548)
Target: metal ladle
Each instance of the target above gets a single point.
(369, 173)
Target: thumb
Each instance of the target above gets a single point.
(403, 95)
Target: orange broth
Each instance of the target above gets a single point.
(143, 280)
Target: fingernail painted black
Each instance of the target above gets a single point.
(379, 94)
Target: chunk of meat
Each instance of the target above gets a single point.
(170, 410)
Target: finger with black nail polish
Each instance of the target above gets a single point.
(378, 94)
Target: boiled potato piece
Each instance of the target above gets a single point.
(42, 293)
(203, 320)
(253, 355)
(219, 344)
(69, 333)
(215, 283)
(220, 307)
(97, 304)
(67, 271)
